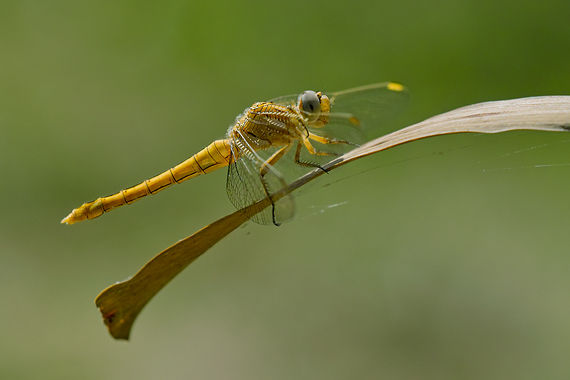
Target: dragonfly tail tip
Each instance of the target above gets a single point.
(69, 219)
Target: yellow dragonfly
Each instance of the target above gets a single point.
(295, 130)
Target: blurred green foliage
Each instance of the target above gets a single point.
(449, 259)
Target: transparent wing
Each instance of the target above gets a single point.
(356, 116)
(286, 100)
(246, 186)
(361, 113)
(371, 105)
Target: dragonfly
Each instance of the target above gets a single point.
(295, 131)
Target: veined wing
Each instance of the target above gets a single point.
(359, 113)
(245, 184)
(372, 105)
(286, 100)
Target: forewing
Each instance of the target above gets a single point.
(368, 108)
(286, 100)
(245, 185)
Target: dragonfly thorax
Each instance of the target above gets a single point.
(269, 124)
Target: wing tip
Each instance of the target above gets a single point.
(395, 86)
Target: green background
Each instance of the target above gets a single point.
(447, 258)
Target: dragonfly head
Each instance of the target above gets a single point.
(314, 106)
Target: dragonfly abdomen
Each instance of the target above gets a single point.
(214, 156)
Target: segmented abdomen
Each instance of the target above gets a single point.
(214, 156)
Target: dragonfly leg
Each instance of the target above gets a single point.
(273, 159)
(326, 140)
(305, 163)
(263, 171)
(315, 152)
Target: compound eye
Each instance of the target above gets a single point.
(310, 102)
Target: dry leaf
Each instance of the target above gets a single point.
(121, 303)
